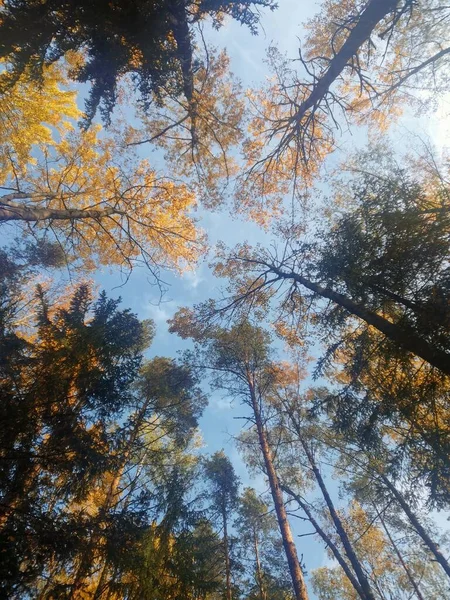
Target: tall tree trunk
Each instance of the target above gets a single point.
(405, 337)
(259, 575)
(374, 12)
(328, 541)
(348, 547)
(277, 495)
(434, 548)
(226, 548)
(400, 557)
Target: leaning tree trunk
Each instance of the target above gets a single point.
(277, 495)
(347, 544)
(405, 337)
(374, 12)
(328, 541)
(432, 546)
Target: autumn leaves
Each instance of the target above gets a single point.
(357, 277)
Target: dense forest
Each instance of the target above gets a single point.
(124, 132)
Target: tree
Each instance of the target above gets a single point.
(293, 432)
(304, 438)
(362, 61)
(374, 480)
(363, 586)
(102, 205)
(224, 490)
(257, 527)
(179, 556)
(240, 359)
(262, 270)
(60, 389)
(162, 421)
(152, 42)
(98, 455)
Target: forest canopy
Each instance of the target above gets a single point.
(264, 412)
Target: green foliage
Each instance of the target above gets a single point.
(174, 394)
(60, 390)
(388, 251)
(96, 448)
(224, 484)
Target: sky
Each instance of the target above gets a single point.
(281, 29)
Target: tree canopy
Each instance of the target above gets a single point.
(151, 41)
(297, 446)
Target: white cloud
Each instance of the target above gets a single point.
(159, 312)
(193, 278)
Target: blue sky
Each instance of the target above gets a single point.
(281, 29)
(247, 52)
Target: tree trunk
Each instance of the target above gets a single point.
(404, 337)
(400, 557)
(277, 495)
(374, 12)
(259, 575)
(227, 555)
(434, 548)
(328, 541)
(349, 551)
(17, 212)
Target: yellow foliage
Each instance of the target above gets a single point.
(279, 161)
(28, 115)
(125, 210)
(374, 553)
(387, 79)
(198, 137)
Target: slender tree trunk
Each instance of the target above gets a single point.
(348, 547)
(277, 495)
(328, 541)
(400, 557)
(227, 555)
(404, 337)
(259, 575)
(434, 548)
